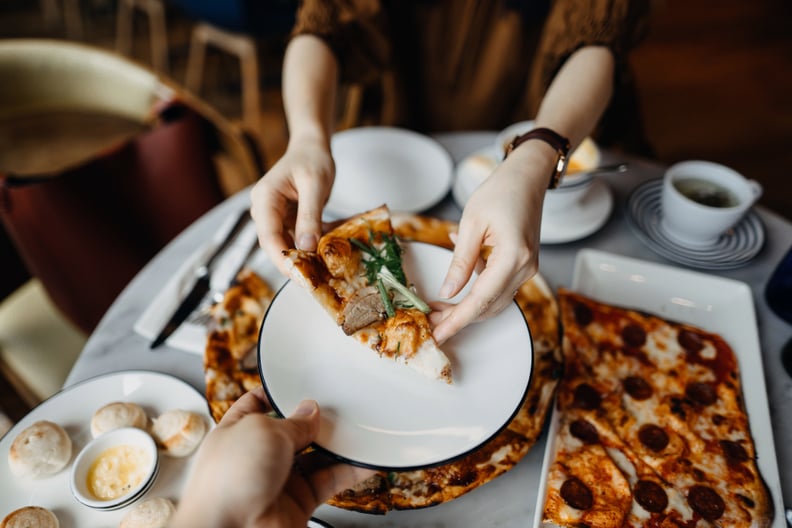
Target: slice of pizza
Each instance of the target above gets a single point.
(230, 367)
(356, 275)
(585, 487)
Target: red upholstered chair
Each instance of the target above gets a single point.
(86, 228)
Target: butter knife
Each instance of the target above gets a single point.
(200, 288)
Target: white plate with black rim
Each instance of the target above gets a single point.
(733, 249)
(381, 414)
(408, 171)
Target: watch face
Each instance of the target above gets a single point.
(560, 170)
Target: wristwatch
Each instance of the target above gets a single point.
(552, 138)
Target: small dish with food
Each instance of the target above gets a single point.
(115, 469)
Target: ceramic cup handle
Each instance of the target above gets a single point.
(756, 189)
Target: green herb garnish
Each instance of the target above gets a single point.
(384, 270)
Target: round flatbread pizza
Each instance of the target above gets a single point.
(229, 373)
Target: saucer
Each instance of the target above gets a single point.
(733, 249)
(580, 220)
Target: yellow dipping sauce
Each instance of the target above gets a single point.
(117, 471)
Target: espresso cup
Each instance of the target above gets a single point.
(701, 200)
(566, 196)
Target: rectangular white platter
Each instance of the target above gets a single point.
(713, 303)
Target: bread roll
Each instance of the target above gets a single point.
(150, 513)
(30, 517)
(40, 450)
(178, 432)
(117, 415)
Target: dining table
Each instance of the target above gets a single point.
(511, 499)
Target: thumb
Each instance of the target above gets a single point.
(308, 224)
(303, 425)
(463, 262)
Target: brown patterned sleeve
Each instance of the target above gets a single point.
(573, 24)
(617, 24)
(355, 30)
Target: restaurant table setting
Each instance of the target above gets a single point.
(607, 241)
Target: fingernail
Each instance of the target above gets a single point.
(305, 408)
(306, 242)
(447, 288)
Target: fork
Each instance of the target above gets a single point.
(203, 314)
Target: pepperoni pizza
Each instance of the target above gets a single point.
(652, 428)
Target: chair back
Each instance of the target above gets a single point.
(85, 228)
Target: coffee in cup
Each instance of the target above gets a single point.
(701, 200)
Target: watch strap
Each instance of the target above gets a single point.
(552, 138)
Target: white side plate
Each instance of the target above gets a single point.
(715, 304)
(72, 408)
(406, 170)
(385, 415)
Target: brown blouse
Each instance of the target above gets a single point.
(472, 64)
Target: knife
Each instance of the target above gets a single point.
(201, 286)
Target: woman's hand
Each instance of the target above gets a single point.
(287, 202)
(499, 235)
(246, 472)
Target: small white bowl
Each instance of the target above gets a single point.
(566, 196)
(127, 436)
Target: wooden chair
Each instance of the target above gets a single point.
(243, 47)
(71, 14)
(154, 10)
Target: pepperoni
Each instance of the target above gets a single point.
(585, 431)
(701, 393)
(706, 502)
(637, 387)
(633, 336)
(735, 453)
(651, 496)
(577, 494)
(586, 397)
(583, 314)
(653, 436)
(690, 341)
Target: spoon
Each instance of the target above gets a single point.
(604, 169)
(577, 179)
(786, 360)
